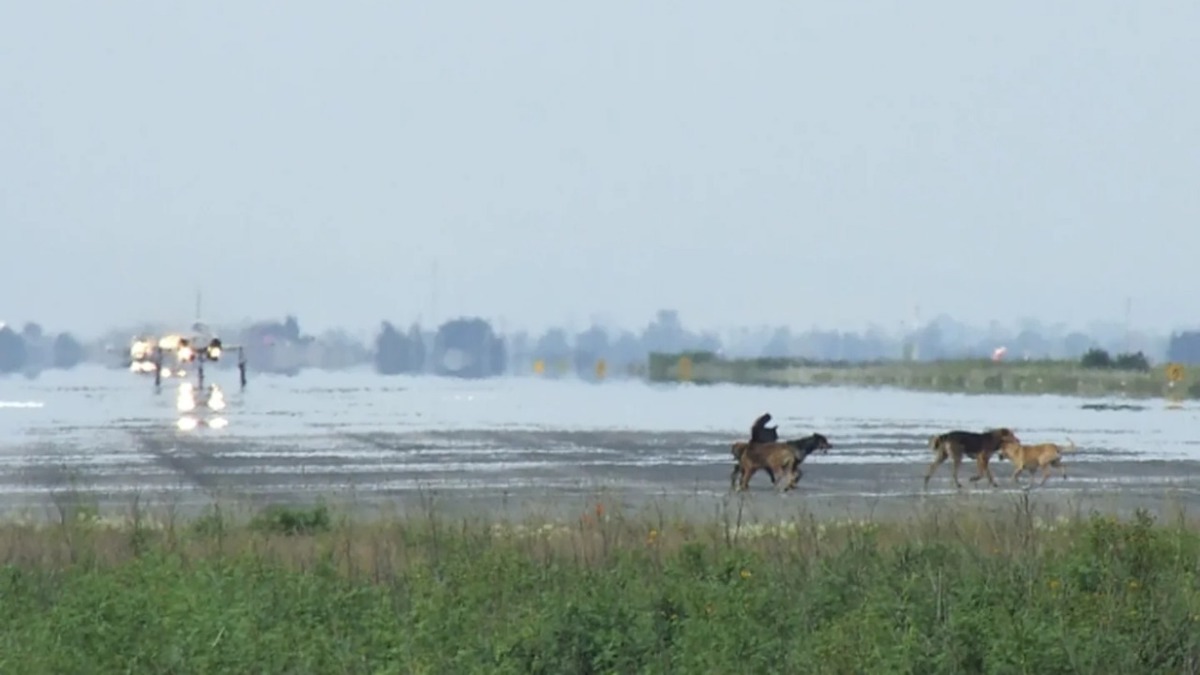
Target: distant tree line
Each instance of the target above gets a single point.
(1184, 347)
(472, 347)
(1099, 359)
(465, 347)
(32, 350)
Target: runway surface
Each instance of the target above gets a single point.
(520, 445)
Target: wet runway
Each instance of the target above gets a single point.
(519, 445)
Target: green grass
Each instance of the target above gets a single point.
(955, 591)
(976, 376)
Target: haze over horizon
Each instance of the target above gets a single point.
(827, 164)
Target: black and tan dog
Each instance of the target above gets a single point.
(957, 444)
(777, 459)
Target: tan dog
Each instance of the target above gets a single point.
(1033, 457)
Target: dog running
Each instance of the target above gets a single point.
(778, 459)
(957, 444)
(1037, 456)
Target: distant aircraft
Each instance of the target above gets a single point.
(170, 355)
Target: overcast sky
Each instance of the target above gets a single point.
(827, 163)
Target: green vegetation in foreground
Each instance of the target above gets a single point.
(969, 376)
(302, 592)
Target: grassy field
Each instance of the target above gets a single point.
(304, 591)
(980, 376)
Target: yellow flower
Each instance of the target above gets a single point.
(1134, 585)
(1054, 584)
(746, 574)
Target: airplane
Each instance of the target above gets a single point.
(180, 354)
(171, 355)
(195, 402)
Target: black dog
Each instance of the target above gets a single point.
(761, 433)
(974, 445)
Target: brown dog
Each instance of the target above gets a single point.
(1033, 457)
(777, 459)
(970, 444)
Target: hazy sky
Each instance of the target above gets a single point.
(829, 163)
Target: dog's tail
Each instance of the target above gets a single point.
(1072, 448)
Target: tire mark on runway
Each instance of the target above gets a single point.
(185, 459)
(385, 441)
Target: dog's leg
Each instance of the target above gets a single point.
(987, 466)
(957, 463)
(982, 469)
(933, 466)
(733, 477)
(747, 474)
(740, 472)
(1019, 468)
(796, 474)
(1045, 472)
(786, 479)
(980, 460)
